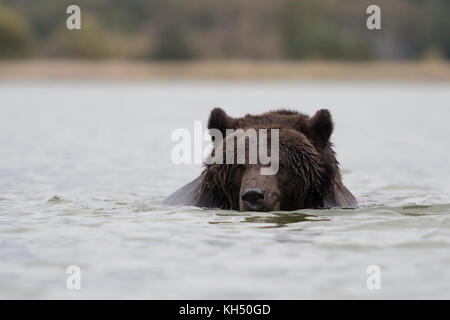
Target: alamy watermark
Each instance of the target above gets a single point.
(73, 22)
(73, 281)
(191, 150)
(374, 280)
(374, 20)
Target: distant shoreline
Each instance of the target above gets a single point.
(232, 70)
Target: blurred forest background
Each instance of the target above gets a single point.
(232, 29)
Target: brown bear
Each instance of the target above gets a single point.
(308, 175)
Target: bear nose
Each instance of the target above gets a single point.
(254, 199)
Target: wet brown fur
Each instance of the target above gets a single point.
(308, 174)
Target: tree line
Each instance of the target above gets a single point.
(232, 29)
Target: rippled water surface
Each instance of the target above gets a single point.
(84, 166)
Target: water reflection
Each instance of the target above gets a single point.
(282, 219)
(275, 219)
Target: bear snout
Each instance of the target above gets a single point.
(258, 192)
(254, 199)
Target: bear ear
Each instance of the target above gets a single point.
(219, 120)
(320, 128)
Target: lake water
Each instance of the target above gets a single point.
(85, 164)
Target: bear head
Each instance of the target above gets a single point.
(306, 174)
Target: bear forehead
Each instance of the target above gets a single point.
(290, 141)
(273, 119)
